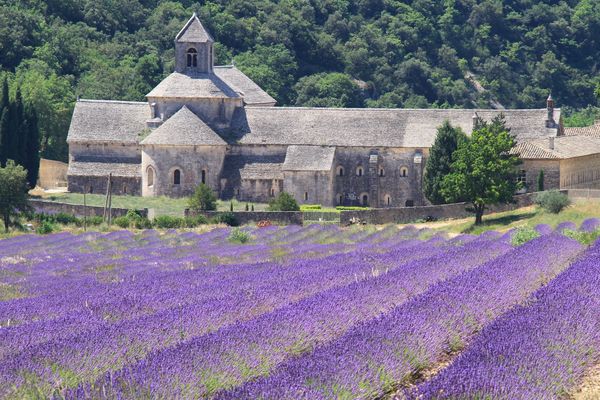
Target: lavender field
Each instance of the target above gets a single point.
(314, 312)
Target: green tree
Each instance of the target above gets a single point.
(483, 171)
(440, 159)
(203, 199)
(540, 181)
(328, 90)
(284, 202)
(32, 147)
(13, 191)
(4, 122)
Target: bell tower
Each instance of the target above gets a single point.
(194, 49)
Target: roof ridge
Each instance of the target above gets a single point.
(111, 101)
(404, 109)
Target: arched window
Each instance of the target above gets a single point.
(404, 172)
(192, 58)
(387, 200)
(340, 171)
(176, 177)
(124, 189)
(359, 171)
(91, 189)
(305, 196)
(340, 199)
(381, 172)
(272, 192)
(364, 200)
(203, 176)
(150, 174)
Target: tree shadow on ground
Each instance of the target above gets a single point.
(504, 220)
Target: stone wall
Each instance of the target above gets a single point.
(53, 174)
(379, 182)
(580, 172)
(551, 170)
(97, 185)
(51, 207)
(404, 215)
(247, 217)
(584, 193)
(309, 187)
(189, 160)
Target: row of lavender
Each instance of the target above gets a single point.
(300, 313)
(92, 303)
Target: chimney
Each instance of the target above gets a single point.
(153, 110)
(551, 142)
(550, 123)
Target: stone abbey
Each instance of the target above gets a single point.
(214, 125)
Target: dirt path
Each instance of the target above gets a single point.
(590, 388)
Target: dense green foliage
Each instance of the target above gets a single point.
(523, 235)
(204, 199)
(239, 236)
(13, 191)
(483, 172)
(552, 201)
(378, 53)
(19, 133)
(439, 161)
(540, 181)
(284, 202)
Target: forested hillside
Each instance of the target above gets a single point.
(360, 53)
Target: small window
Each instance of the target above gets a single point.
(359, 171)
(381, 172)
(365, 200)
(192, 58)
(409, 203)
(124, 189)
(388, 200)
(203, 176)
(340, 199)
(176, 177)
(340, 171)
(150, 174)
(522, 176)
(305, 196)
(404, 172)
(272, 192)
(91, 190)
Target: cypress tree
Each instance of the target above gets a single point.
(4, 129)
(32, 147)
(440, 158)
(540, 181)
(18, 134)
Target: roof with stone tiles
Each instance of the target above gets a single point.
(374, 127)
(184, 128)
(564, 147)
(78, 168)
(193, 32)
(244, 86)
(193, 86)
(108, 121)
(591, 131)
(309, 158)
(261, 171)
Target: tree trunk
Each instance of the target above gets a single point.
(479, 214)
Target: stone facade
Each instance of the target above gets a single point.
(213, 124)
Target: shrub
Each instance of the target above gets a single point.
(94, 220)
(540, 181)
(310, 207)
(583, 237)
(350, 208)
(122, 222)
(203, 199)
(192, 222)
(284, 202)
(523, 235)
(45, 228)
(66, 219)
(142, 223)
(168, 222)
(228, 218)
(553, 201)
(238, 236)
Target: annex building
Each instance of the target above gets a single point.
(213, 124)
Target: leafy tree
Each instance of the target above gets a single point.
(31, 134)
(483, 172)
(13, 191)
(284, 202)
(440, 159)
(203, 199)
(328, 90)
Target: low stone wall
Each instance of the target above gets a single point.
(246, 217)
(405, 215)
(51, 207)
(321, 216)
